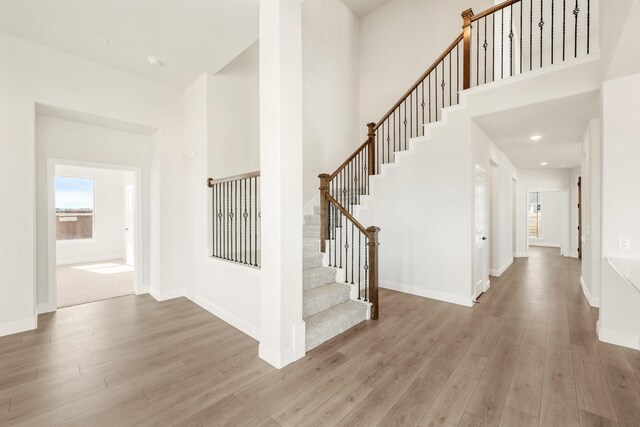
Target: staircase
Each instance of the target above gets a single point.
(328, 309)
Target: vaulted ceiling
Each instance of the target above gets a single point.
(189, 37)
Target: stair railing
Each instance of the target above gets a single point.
(235, 219)
(510, 46)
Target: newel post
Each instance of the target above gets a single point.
(371, 133)
(324, 210)
(373, 270)
(466, 59)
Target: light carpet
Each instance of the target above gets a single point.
(83, 283)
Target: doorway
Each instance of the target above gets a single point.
(93, 223)
(481, 273)
(548, 219)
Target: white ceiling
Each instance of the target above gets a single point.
(190, 37)
(362, 8)
(561, 123)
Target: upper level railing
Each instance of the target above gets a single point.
(505, 40)
(235, 219)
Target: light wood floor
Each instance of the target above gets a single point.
(526, 355)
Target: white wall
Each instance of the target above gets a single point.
(398, 42)
(619, 302)
(108, 219)
(73, 141)
(331, 75)
(229, 291)
(233, 116)
(32, 73)
(542, 179)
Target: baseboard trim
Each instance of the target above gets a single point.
(428, 293)
(46, 307)
(498, 273)
(593, 301)
(90, 259)
(573, 255)
(230, 318)
(546, 245)
(618, 338)
(521, 255)
(166, 295)
(17, 326)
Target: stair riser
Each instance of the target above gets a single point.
(319, 303)
(312, 245)
(311, 231)
(325, 332)
(319, 279)
(312, 261)
(312, 220)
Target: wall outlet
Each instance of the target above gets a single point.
(624, 244)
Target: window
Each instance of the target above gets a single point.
(74, 208)
(534, 215)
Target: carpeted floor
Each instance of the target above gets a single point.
(82, 283)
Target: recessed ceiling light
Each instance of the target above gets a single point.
(543, 163)
(154, 61)
(535, 137)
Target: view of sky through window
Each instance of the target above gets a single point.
(74, 193)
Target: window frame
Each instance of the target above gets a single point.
(93, 237)
(538, 221)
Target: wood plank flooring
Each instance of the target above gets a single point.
(527, 355)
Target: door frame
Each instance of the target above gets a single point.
(138, 286)
(474, 290)
(565, 229)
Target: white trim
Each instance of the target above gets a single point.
(237, 322)
(46, 307)
(618, 338)
(17, 326)
(91, 259)
(274, 358)
(573, 255)
(166, 295)
(546, 245)
(521, 254)
(466, 301)
(499, 272)
(593, 301)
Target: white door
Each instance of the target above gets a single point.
(480, 262)
(129, 221)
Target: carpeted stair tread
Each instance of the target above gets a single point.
(333, 321)
(318, 276)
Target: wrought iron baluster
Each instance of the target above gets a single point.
(541, 25)
(576, 11)
(501, 43)
(352, 252)
(250, 222)
(588, 25)
(477, 54)
(485, 45)
(553, 6)
(564, 27)
(530, 35)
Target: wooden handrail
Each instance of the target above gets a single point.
(420, 80)
(211, 182)
(493, 9)
(346, 213)
(351, 157)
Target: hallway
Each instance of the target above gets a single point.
(527, 354)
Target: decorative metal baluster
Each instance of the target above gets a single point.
(394, 131)
(411, 113)
(366, 267)
(422, 105)
(405, 122)
(530, 35)
(450, 86)
(213, 220)
(219, 206)
(485, 45)
(245, 216)
(352, 252)
(552, 27)
(359, 262)
(493, 47)
(588, 25)
(417, 114)
(521, 36)
(442, 85)
(429, 97)
(576, 11)
(501, 43)
(388, 142)
(457, 79)
(541, 25)
(477, 54)
(435, 87)
(564, 27)
(340, 225)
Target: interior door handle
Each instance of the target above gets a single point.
(484, 237)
